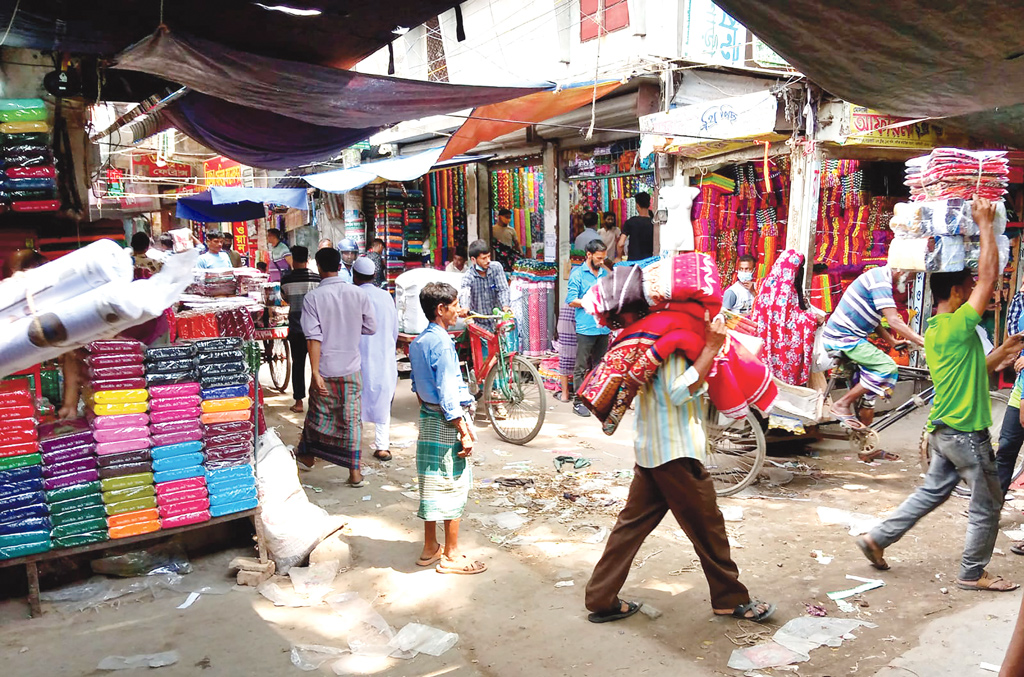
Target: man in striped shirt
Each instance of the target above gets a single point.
(295, 284)
(859, 313)
(670, 475)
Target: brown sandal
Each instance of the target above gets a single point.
(465, 570)
(873, 553)
(988, 583)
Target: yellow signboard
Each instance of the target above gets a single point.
(871, 128)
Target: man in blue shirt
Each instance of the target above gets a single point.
(215, 256)
(591, 339)
(445, 438)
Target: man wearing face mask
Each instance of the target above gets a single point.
(859, 313)
(739, 298)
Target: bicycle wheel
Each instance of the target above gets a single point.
(736, 450)
(514, 398)
(999, 402)
(279, 359)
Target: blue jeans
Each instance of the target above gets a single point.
(955, 455)
(1011, 437)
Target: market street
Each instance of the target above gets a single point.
(513, 620)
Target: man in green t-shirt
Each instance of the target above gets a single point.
(960, 417)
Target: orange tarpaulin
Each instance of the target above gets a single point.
(482, 124)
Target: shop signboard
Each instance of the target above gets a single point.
(149, 165)
(714, 127)
(220, 171)
(712, 36)
(879, 130)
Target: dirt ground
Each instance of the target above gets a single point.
(513, 620)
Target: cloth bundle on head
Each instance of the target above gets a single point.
(664, 307)
(786, 330)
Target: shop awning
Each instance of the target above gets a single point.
(488, 122)
(711, 128)
(395, 169)
(273, 113)
(221, 205)
(961, 61)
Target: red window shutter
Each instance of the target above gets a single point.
(590, 17)
(616, 15)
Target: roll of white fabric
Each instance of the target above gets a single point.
(70, 276)
(99, 313)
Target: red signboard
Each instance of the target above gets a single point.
(220, 171)
(147, 165)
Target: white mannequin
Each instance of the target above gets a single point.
(677, 231)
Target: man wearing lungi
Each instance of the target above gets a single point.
(446, 439)
(334, 316)
(670, 448)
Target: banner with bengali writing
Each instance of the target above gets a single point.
(871, 128)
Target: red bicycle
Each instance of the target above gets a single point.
(511, 387)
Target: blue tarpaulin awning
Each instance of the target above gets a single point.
(221, 204)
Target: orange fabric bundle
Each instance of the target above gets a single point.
(228, 404)
(135, 529)
(226, 416)
(128, 518)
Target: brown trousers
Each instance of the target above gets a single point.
(685, 487)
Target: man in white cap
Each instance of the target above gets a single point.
(379, 361)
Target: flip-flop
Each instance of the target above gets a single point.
(357, 485)
(849, 421)
(986, 583)
(432, 560)
(741, 611)
(873, 553)
(617, 614)
(377, 455)
(467, 570)
(1017, 548)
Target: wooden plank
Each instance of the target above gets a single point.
(113, 543)
(35, 609)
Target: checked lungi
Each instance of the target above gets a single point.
(566, 341)
(334, 424)
(444, 476)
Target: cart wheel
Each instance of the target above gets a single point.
(279, 359)
(999, 404)
(514, 399)
(736, 450)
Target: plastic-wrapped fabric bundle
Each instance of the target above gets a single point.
(172, 427)
(185, 520)
(70, 467)
(134, 517)
(120, 396)
(139, 456)
(175, 390)
(135, 529)
(183, 495)
(183, 507)
(123, 469)
(70, 454)
(229, 508)
(80, 503)
(180, 449)
(177, 462)
(131, 505)
(225, 392)
(178, 351)
(116, 421)
(20, 461)
(179, 474)
(115, 373)
(217, 344)
(119, 383)
(225, 380)
(226, 416)
(190, 414)
(172, 378)
(229, 404)
(79, 298)
(175, 366)
(104, 448)
(170, 439)
(180, 402)
(216, 429)
(83, 477)
(940, 218)
(972, 251)
(118, 346)
(189, 484)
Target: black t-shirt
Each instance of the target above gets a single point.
(640, 231)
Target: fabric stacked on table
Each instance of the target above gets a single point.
(227, 416)
(29, 182)
(957, 173)
(71, 480)
(178, 474)
(24, 516)
(118, 410)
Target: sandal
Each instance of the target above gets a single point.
(382, 455)
(296, 408)
(751, 606)
(465, 570)
(357, 485)
(849, 421)
(617, 614)
(873, 553)
(1017, 548)
(878, 455)
(988, 583)
(431, 560)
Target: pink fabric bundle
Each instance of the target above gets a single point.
(180, 485)
(182, 402)
(191, 413)
(177, 438)
(118, 434)
(170, 427)
(174, 390)
(104, 448)
(116, 421)
(186, 519)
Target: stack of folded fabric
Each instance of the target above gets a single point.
(71, 480)
(130, 502)
(30, 175)
(957, 173)
(24, 521)
(180, 485)
(227, 415)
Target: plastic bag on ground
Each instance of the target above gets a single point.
(165, 558)
(153, 660)
(424, 639)
(857, 523)
(99, 591)
(310, 657)
(293, 526)
(768, 655)
(287, 596)
(806, 633)
(368, 633)
(317, 578)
